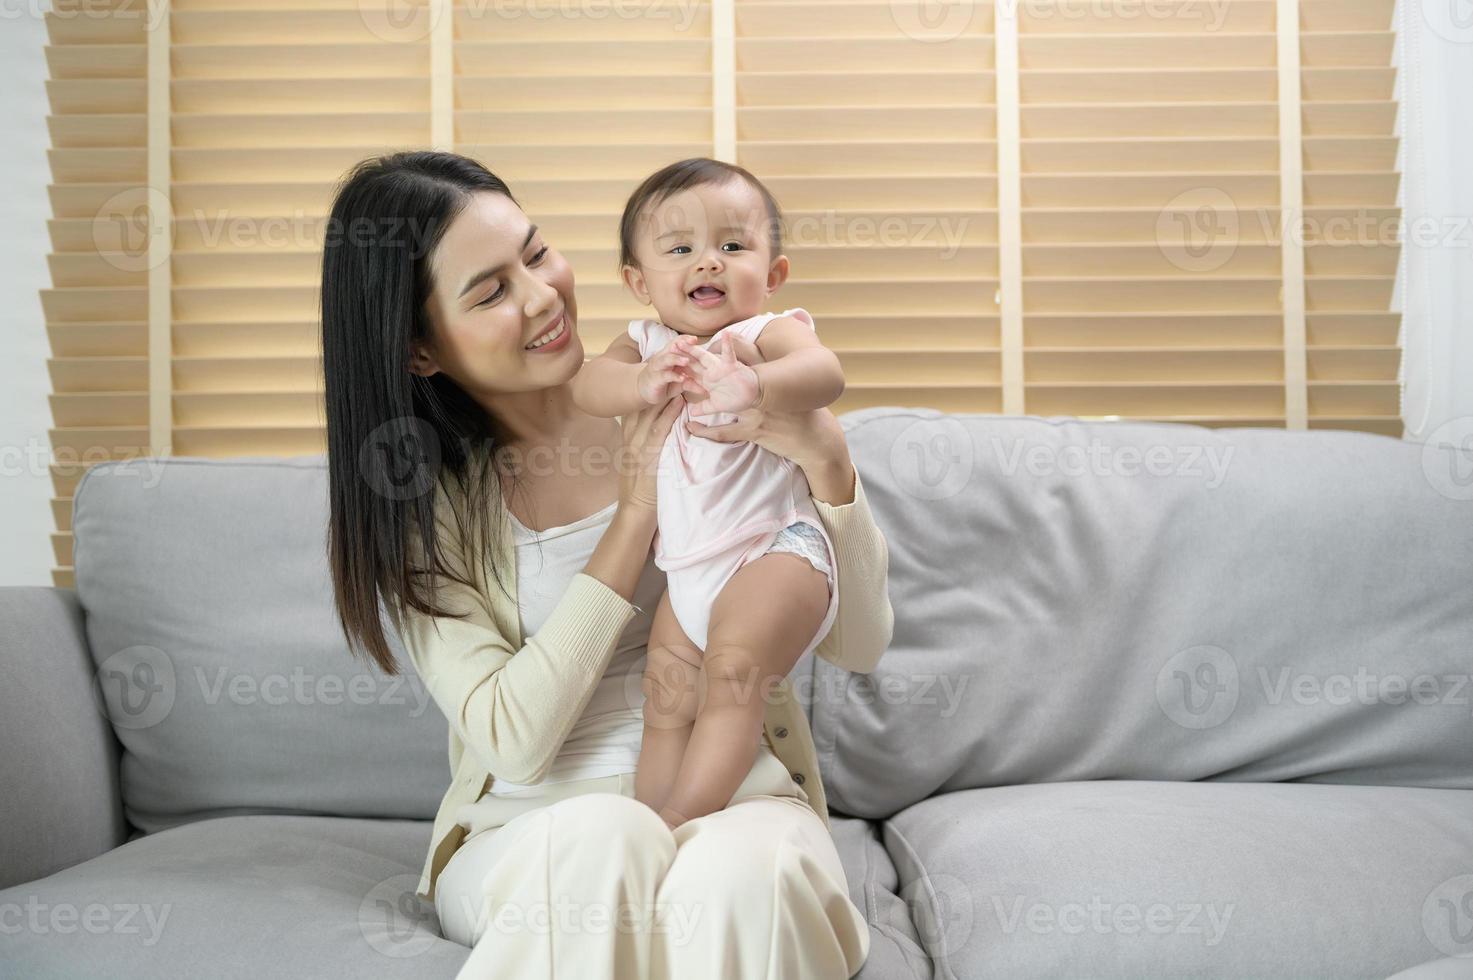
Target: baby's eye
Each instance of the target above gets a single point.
(680, 250)
(732, 247)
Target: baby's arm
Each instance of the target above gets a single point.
(616, 383)
(799, 374)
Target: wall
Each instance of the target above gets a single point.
(25, 485)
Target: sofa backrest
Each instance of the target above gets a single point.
(220, 661)
(1073, 600)
(1110, 600)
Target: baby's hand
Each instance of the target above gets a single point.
(670, 366)
(730, 385)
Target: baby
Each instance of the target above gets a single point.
(751, 582)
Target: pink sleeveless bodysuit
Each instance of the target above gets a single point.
(721, 505)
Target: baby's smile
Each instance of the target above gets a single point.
(707, 297)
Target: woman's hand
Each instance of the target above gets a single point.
(814, 440)
(639, 460)
(624, 548)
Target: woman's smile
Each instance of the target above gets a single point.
(554, 338)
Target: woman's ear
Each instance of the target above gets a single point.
(421, 362)
(777, 274)
(634, 279)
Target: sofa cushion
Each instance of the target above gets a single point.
(895, 949)
(59, 765)
(220, 661)
(235, 897)
(1152, 879)
(1093, 600)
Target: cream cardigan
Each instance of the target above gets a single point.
(511, 701)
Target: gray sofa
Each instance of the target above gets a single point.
(1162, 701)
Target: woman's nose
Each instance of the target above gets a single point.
(541, 297)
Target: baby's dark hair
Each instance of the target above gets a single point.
(682, 175)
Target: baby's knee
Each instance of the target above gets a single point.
(670, 684)
(734, 674)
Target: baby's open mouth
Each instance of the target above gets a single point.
(706, 295)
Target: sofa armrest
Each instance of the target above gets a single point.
(60, 802)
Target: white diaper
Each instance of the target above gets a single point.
(694, 588)
(804, 540)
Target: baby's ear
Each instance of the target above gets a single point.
(634, 279)
(777, 274)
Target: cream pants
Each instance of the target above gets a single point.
(579, 880)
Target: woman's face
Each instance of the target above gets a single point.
(498, 290)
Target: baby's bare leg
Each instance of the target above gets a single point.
(671, 677)
(760, 624)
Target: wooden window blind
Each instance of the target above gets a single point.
(881, 146)
(573, 104)
(1158, 209)
(97, 307)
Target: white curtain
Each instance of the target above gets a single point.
(1435, 72)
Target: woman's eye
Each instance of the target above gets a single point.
(541, 254)
(492, 298)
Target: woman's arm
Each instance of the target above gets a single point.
(513, 710)
(865, 620)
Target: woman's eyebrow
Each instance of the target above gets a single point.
(485, 274)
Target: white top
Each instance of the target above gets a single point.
(606, 738)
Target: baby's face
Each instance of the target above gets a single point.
(705, 258)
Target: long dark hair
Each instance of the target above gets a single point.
(397, 440)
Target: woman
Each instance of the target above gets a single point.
(508, 537)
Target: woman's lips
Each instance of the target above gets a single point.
(559, 343)
(707, 296)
